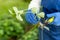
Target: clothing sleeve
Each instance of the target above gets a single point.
(35, 4)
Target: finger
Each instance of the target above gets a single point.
(30, 18)
(50, 15)
(27, 17)
(33, 19)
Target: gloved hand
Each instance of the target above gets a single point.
(31, 17)
(56, 19)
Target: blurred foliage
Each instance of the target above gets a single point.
(27, 0)
(10, 26)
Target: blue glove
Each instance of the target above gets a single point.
(57, 18)
(31, 18)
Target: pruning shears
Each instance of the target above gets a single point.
(43, 25)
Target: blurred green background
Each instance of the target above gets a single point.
(12, 29)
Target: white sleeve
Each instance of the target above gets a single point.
(35, 4)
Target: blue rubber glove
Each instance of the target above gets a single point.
(31, 18)
(57, 18)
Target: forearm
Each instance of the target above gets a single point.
(35, 4)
